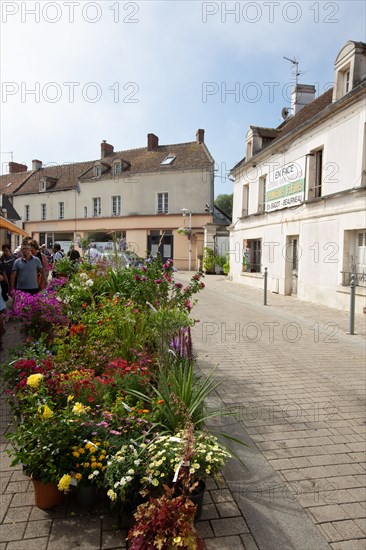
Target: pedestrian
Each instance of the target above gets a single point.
(56, 257)
(24, 274)
(74, 255)
(94, 255)
(45, 251)
(6, 264)
(41, 277)
(2, 310)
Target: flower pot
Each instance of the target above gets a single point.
(46, 495)
(197, 498)
(86, 497)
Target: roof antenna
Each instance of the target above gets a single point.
(295, 67)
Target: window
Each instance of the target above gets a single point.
(354, 260)
(262, 185)
(42, 185)
(245, 201)
(43, 212)
(117, 169)
(85, 211)
(27, 212)
(252, 256)
(168, 160)
(347, 76)
(97, 171)
(315, 174)
(61, 210)
(116, 205)
(97, 207)
(162, 203)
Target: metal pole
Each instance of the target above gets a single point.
(265, 285)
(352, 304)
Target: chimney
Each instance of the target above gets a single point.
(15, 167)
(105, 149)
(301, 95)
(152, 142)
(200, 136)
(36, 164)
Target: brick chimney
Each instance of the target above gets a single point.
(105, 149)
(15, 167)
(152, 142)
(200, 136)
(36, 164)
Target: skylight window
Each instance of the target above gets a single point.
(168, 160)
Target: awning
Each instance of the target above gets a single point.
(5, 224)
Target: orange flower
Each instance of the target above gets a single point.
(160, 401)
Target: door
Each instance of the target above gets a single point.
(292, 264)
(160, 243)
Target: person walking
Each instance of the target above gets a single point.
(24, 274)
(56, 257)
(42, 277)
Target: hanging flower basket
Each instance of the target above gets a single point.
(184, 231)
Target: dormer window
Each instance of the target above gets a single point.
(168, 160)
(97, 171)
(347, 78)
(117, 168)
(42, 185)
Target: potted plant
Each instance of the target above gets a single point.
(41, 440)
(165, 522)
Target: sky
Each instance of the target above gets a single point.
(74, 73)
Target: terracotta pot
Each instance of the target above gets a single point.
(46, 495)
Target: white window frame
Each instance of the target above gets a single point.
(116, 205)
(61, 210)
(162, 203)
(85, 212)
(97, 207)
(97, 171)
(262, 187)
(245, 200)
(117, 168)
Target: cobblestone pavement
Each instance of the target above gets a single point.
(296, 382)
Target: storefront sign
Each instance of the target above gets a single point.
(286, 186)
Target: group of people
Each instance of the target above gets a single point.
(28, 271)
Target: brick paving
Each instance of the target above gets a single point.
(295, 381)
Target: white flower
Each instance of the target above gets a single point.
(89, 282)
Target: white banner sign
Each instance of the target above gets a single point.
(286, 186)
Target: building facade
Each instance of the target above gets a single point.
(300, 193)
(154, 199)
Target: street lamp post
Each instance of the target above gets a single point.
(185, 212)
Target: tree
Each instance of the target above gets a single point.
(225, 203)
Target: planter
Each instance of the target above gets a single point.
(197, 498)
(86, 497)
(46, 495)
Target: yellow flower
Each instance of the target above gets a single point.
(102, 457)
(81, 451)
(78, 476)
(111, 494)
(99, 465)
(45, 412)
(34, 379)
(75, 454)
(64, 482)
(94, 465)
(92, 450)
(177, 540)
(86, 464)
(78, 408)
(70, 398)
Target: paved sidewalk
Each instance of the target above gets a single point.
(296, 382)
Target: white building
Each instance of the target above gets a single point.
(300, 193)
